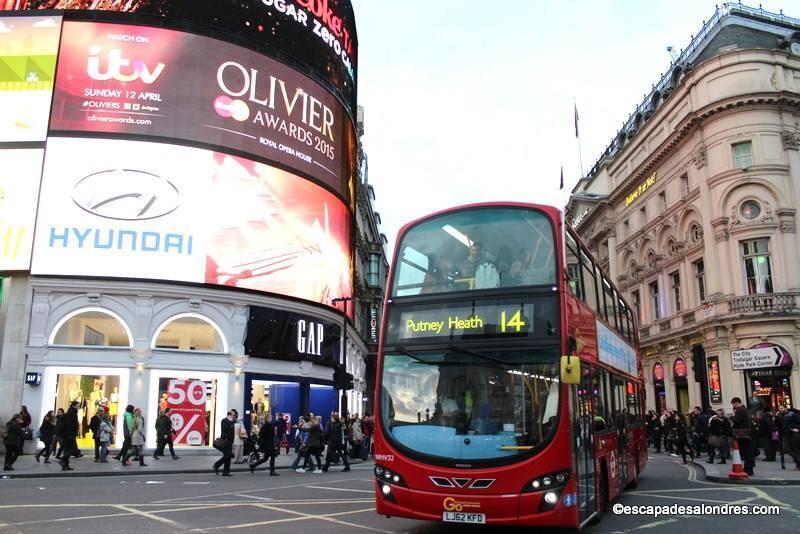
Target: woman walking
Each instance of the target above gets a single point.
(47, 432)
(104, 430)
(682, 437)
(137, 439)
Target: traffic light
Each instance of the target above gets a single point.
(342, 379)
(348, 381)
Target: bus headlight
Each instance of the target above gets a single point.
(386, 476)
(386, 489)
(548, 482)
(550, 498)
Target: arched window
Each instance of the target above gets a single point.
(190, 331)
(94, 327)
(695, 233)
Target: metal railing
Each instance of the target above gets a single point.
(765, 302)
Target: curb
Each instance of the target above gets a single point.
(748, 481)
(132, 472)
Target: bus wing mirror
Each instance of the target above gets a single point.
(570, 370)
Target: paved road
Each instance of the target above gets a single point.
(334, 502)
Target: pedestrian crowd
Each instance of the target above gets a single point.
(337, 439)
(59, 434)
(755, 430)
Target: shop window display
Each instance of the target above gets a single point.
(91, 392)
(192, 404)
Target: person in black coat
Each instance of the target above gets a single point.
(742, 434)
(47, 431)
(226, 434)
(337, 443)
(94, 426)
(266, 444)
(164, 433)
(788, 423)
(15, 437)
(69, 435)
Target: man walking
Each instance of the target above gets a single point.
(789, 430)
(164, 433)
(69, 434)
(337, 443)
(266, 445)
(226, 435)
(15, 438)
(94, 426)
(741, 433)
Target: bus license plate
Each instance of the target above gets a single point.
(463, 517)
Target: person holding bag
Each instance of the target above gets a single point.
(741, 433)
(224, 443)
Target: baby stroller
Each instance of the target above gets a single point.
(251, 448)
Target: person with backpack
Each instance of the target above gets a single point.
(14, 439)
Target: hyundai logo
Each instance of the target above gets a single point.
(126, 195)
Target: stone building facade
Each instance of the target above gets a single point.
(692, 208)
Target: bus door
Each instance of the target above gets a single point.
(582, 441)
(618, 402)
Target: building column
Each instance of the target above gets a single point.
(613, 270)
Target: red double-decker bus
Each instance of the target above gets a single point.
(509, 387)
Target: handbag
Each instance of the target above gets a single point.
(775, 436)
(715, 441)
(28, 434)
(221, 444)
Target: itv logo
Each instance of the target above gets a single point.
(115, 65)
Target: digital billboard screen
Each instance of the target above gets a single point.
(28, 50)
(20, 173)
(133, 209)
(319, 33)
(151, 81)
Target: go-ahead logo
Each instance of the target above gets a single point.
(126, 195)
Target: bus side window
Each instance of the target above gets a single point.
(590, 282)
(631, 324)
(621, 319)
(574, 269)
(601, 411)
(610, 313)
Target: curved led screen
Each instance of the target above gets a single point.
(28, 49)
(133, 209)
(165, 83)
(319, 33)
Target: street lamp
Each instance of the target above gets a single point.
(343, 401)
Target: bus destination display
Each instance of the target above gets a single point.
(469, 320)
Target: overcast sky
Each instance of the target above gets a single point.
(469, 100)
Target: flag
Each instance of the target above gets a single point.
(576, 120)
(560, 187)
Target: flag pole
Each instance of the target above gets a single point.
(578, 138)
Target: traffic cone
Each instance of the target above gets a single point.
(737, 469)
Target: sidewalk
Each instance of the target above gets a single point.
(764, 473)
(190, 462)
